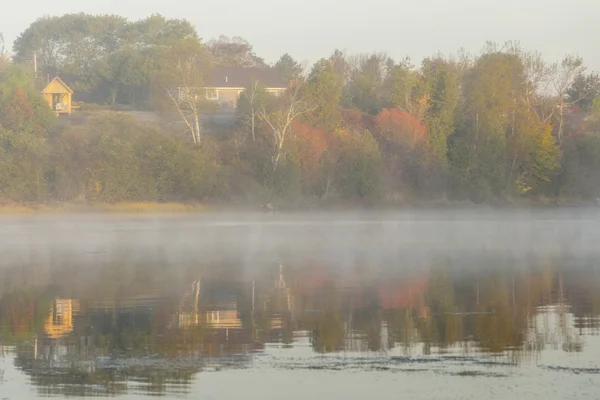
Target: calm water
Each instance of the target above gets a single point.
(444, 305)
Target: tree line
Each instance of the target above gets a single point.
(500, 125)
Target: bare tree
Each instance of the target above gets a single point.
(563, 74)
(280, 119)
(182, 82)
(254, 99)
(4, 57)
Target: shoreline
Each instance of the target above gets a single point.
(156, 208)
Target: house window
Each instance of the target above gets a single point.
(212, 94)
(274, 92)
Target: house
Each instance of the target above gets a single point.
(225, 84)
(59, 96)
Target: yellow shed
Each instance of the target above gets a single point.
(59, 96)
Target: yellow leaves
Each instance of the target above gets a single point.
(422, 105)
(546, 155)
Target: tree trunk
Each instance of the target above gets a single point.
(561, 122)
(197, 132)
(253, 124)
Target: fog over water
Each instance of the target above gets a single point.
(448, 304)
(345, 237)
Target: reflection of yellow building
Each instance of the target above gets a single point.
(60, 320)
(223, 318)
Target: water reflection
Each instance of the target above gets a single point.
(136, 328)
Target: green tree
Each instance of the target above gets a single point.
(440, 83)
(584, 89)
(400, 86)
(478, 150)
(84, 49)
(580, 169)
(340, 65)
(323, 91)
(234, 52)
(289, 68)
(360, 167)
(365, 87)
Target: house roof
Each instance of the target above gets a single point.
(52, 85)
(239, 77)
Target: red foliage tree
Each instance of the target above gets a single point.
(18, 112)
(398, 127)
(312, 145)
(353, 118)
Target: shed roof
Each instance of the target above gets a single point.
(51, 87)
(239, 77)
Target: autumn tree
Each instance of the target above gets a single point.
(279, 119)
(403, 142)
(533, 153)
(25, 121)
(311, 146)
(23, 108)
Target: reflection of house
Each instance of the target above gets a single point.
(60, 321)
(225, 316)
(225, 84)
(59, 96)
(220, 309)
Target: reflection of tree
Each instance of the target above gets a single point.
(402, 327)
(150, 334)
(367, 322)
(494, 327)
(22, 314)
(441, 328)
(328, 324)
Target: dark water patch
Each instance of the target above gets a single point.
(572, 370)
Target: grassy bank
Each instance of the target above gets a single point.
(7, 208)
(125, 207)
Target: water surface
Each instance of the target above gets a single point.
(425, 305)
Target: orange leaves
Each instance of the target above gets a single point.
(18, 111)
(396, 126)
(353, 117)
(312, 144)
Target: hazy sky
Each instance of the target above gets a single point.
(313, 28)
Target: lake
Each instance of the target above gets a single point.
(453, 304)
